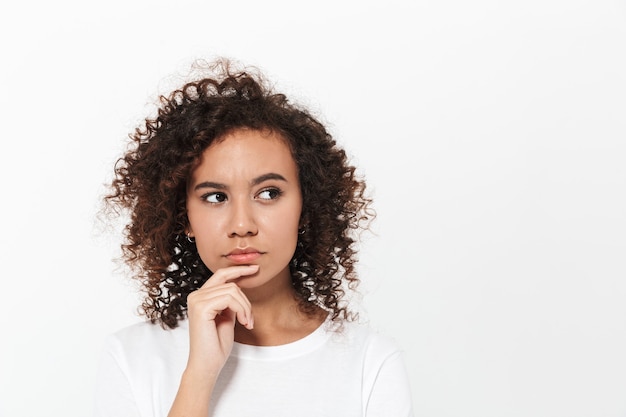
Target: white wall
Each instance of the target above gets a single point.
(492, 134)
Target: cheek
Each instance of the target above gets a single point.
(202, 221)
(205, 235)
(289, 231)
(287, 221)
(206, 248)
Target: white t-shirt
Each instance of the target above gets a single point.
(352, 371)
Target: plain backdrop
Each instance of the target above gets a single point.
(492, 134)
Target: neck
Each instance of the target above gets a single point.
(278, 320)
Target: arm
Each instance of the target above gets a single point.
(212, 311)
(390, 393)
(113, 393)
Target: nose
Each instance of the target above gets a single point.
(242, 221)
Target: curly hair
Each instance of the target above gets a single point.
(151, 178)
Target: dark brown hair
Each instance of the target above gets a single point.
(151, 178)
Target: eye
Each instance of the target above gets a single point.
(214, 198)
(270, 194)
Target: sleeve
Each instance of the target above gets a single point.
(113, 393)
(388, 389)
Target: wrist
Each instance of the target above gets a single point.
(198, 379)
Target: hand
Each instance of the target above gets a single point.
(212, 311)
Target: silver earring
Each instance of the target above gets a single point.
(190, 239)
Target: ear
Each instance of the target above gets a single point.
(187, 229)
(304, 222)
(187, 226)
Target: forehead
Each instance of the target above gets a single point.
(245, 153)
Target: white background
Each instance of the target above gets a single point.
(492, 134)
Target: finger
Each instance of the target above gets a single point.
(210, 302)
(223, 275)
(203, 294)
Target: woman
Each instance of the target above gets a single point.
(243, 211)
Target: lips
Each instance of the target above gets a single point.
(244, 256)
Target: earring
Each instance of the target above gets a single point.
(190, 238)
(301, 232)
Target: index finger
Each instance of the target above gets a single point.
(223, 275)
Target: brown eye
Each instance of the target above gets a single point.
(270, 194)
(214, 198)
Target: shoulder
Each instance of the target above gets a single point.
(370, 342)
(376, 359)
(145, 338)
(384, 378)
(142, 363)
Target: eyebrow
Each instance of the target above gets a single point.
(256, 181)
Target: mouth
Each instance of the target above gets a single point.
(244, 256)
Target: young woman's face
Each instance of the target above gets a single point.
(244, 203)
